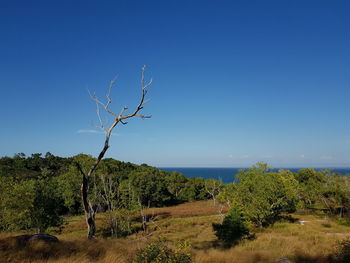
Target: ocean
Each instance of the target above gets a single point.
(227, 175)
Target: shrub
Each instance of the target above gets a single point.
(344, 221)
(121, 223)
(343, 251)
(158, 252)
(233, 228)
(263, 195)
(29, 204)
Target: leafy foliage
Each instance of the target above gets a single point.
(47, 206)
(16, 203)
(29, 204)
(324, 190)
(36, 191)
(233, 228)
(158, 252)
(150, 187)
(175, 185)
(263, 194)
(342, 251)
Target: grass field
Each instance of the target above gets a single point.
(189, 223)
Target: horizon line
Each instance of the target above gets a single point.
(285, 167)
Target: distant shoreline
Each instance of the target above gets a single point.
(227, 175)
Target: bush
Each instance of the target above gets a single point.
(344, 221)
(29, 204)
(121, 223)
(343, 251)
(263, 195)
(16, 203)
(158, 252)
(233, 228)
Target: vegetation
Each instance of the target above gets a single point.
(90, 209)
(135, 202)
(29, 204)
(324, 190)
(190, 222)
(36, 192)
(233, 228)
(263, 195)
(342, 254)
(157, 251)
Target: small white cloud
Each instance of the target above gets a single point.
(96, 132)
(238, 156)
(302, 156)
(88, 131)
(326, 157)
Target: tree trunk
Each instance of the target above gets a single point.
(90, 221)
(89, 210)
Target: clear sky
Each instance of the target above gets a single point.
(235, 82)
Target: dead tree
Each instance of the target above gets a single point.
(213, 188)
(110, 195)
(89, 209)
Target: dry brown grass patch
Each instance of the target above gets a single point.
(312, 242)
(69, 250)
(197, 208)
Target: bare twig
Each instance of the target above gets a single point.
(88, 208)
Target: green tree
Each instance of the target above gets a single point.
(175, 182)
(311, 184)
(335, 194)
(227, 194)
(29, 204)
(16, 203)
(194, 189)
(150, 188)
(69, 183)
(263, 194)
(47, 206)
(69, 188)
(234, 227)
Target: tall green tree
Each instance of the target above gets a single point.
(47, 206)
(176, 185)
(263, 194)
(150, 188)
(16, 203)
(312, 185)
(29, 204)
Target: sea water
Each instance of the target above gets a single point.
(227, 175)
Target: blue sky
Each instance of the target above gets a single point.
(235, 82)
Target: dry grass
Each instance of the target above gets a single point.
(312, 242)
(188, 209)
(69, 250)
(76, 227)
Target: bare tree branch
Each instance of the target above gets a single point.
(139, 107)
(123, 122)
(88, 208)
(109, 100)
